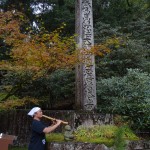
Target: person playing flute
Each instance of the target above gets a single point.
(37, 141)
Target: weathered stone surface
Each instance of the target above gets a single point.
(83, 146)
(55, 146)
(69, 146)
(76, 146)
(101, 147)
(88, 119)
(85, 71)
(139, 145)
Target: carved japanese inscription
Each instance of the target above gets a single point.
(85, 72)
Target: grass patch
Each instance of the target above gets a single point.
(54, 137)
(107, 142)
(105, 134)
(18, 148)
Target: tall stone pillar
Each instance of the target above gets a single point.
(85, 71)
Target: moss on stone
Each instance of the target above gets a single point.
(54, 137)
(104, 134)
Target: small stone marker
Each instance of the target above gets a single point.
(68, 134)
(5, 140)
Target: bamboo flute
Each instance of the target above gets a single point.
(53, 119)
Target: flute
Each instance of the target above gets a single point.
(53, 119)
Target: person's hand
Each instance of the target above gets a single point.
(54, 122)
(58, 121)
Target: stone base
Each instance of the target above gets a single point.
(76, 146)
(139, 145)
(136, 145)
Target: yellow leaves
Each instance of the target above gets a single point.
(14, 102)
(101, 49)
(10, 28)
(116, 42)
(44, 51)
(86, 56)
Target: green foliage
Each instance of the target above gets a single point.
(58, 137)
(121, 135)
(54, 137)
(18, 148)
(113, 88)
(116, 12)
(138, 29)
(124, 92)
(53, 89)
(130, 55)
(119, 139)
(133, 50)
(103, 131)
(128, 96)
(104, 134)
(50, 19)
(50, 89)
(112, 12)
(63, 84)
(105, 31)
(3, 95)
(62, 12)
(4, 50)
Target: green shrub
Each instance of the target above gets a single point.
(104, 132)
(119, 143)
(127, 96)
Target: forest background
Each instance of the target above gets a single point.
(121, 27)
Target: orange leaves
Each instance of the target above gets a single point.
(100, 50)
(37, 52)
(10, 23)
(43, 51)
(86, 56)
(40, 53)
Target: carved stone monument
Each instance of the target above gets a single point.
(85, 71)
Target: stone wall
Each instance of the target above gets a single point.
(76, 146)
(19, 124)
(136, 145)
(139, 145)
